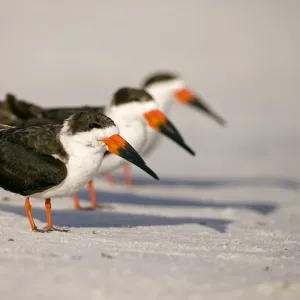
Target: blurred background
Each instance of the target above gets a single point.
(241, 56)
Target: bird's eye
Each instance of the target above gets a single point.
(94, 125)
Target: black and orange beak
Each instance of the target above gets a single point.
(118, 146)
(159, 122)
(185, 96)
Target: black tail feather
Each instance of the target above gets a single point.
(22, 109)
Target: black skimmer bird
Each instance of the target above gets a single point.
(166, 88)
(132, 110)
(57, 160)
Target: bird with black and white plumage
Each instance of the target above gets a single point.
(49, 161)
(167, 88)
(133, 110)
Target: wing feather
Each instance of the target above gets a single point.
(26, 171)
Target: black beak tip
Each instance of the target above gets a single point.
(193, 153)
(150, 172)
(199, 103)
(190, 150)
(218, 119)
(156, 178)
(221, 121)
(170, 131)
(130, 154)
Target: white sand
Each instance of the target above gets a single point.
(223, 225)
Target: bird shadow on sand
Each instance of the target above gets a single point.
(132, 199)
(213, 183)
(103, 219)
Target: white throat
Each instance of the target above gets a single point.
(85, 142)
(164, 92)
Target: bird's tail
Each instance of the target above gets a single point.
(22, 109)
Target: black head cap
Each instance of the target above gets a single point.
(158, 77)
(127, 95)
(88, 120)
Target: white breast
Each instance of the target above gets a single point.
(82, 166)
(163, 99)
(152, 140)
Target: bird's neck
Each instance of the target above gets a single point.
(162, 96)
(122, 116)
(75, 148)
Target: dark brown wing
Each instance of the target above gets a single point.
(42, 139)
(60, 114)
(22, 109)
(25, 110)
(26, 171)
(30, 122)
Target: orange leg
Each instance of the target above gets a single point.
(49, 226)
(48, 214)
(94, 202)
(29, 214)
(76, 202)
(109, 178)
(78, 206)
(127, 175)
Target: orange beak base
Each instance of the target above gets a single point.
(185, 96)
(155, 118)
(158, 121)
(118, 146)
